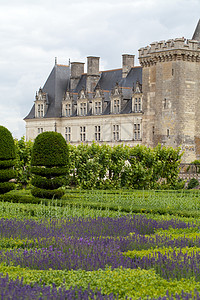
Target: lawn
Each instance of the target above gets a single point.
(100, 245)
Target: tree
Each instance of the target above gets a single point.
(49, 162)
(23, 161)
(7, 160)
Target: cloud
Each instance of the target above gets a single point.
(34, 32)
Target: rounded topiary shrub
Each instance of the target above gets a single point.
(49, 165)
(192, 183)
(7, 160)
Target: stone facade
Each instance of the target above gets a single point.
(156, 102)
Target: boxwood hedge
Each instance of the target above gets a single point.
(7, 156)
(49, 165)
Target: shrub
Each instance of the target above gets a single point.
(7, 156)
(49, 165)
(192, 183)
(23, 162)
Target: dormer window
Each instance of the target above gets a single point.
(116, 106)
(137, 98)
(67, 104)
(68, 109)
(137, 104)
(83, 109)
(41, 102)
(40, 110)
(97, 101)
(116, 98)
(98, 107)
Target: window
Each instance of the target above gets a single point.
(68, 110)
(137, 132)
(68, 134)
(115, 132)
(97, 133)
(83, 109)
(137, 105)
(97, 107)
(82, 133)
(40, 130)
(116, 107)
(167, 132)
(165, 103)
(40, 110)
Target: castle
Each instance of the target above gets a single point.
(156, 102)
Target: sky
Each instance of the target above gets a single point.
(34, 32)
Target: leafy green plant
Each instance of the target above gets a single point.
(192, 183)
(7, 156)
(49, 158)
(23, 161)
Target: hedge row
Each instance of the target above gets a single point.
(104, 167)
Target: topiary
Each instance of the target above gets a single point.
(49, 162)
(192, 183)
(7, 160)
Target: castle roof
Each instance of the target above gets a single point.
(55, 86)
(196, 35)
(58, 83)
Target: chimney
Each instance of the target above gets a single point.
(77, 69)
(92, 65)
(92, 72)
(127, 64)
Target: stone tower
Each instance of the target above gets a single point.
(171, 91)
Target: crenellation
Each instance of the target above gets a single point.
(170, 45)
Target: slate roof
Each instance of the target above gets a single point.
(196, 35)
(55, 86)
(59, 81)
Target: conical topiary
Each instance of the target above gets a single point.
(7, 160)
(49, 165)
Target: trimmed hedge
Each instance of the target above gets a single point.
(49, 150)
(48, 183)
(7, 156)
(6, 187)
(48, 194)
(6, 174)
(49, 171)
(6, 163)
(49, 162)
(7, 147)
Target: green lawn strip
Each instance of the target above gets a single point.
(179, 203)
(125, 282)
(164, 250)
(39, 211)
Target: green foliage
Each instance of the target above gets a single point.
(6, 187)
(102, 166)
(7, 155)
(7, 147)
(49, 158)
(192, 183)
(6, 174)
(23, 161)
(6, 163)
(49, 149)
(48, 183)
(48, 172)
(49, 194)
(152, 168)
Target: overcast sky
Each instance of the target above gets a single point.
(34, 32)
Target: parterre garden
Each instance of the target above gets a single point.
(99, 244)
